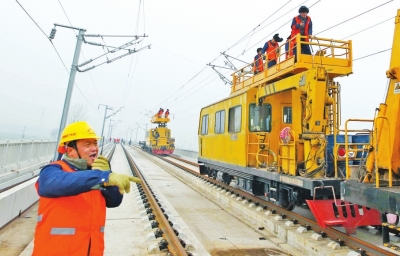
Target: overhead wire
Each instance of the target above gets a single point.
(247, 34)
(369, 27)
(198, 73)
(191, 88)
(124, 95)
(251, 47)
(91, 78)
(129, 87)
(376, 7)
(202, 103)
(58, 54)
(174, 103)
(372, 54)
(240, 40)
(253, 30)
(32, 19)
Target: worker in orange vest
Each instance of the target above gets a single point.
(160, 112)
(258, 65)
(73, 195)
(271, 50)
(166, 113)
(302, 24)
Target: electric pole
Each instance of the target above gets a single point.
(71, 82)
(75, 66)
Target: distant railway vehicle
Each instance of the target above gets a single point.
(278, 134)
(158, 140)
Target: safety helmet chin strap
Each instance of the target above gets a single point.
(73, 144)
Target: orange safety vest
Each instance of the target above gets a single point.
(272, 49)
(70, 225)
(296, 31)
(260, 63)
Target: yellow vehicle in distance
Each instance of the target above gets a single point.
(158, 139)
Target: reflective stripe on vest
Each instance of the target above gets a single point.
(62, 231)
(296, 31)
(102, 229)
(39, 217)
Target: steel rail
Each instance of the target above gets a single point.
(183, 160)
(354, 243)
(174, 245)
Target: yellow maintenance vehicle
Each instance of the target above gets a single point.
(158, 139)
(278, 134)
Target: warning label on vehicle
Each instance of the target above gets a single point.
(397, 88)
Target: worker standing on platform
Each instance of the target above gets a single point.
(271, 50)
(160, 112)
(302, 24)
(166, 113)
(258, 65)
(74, 193)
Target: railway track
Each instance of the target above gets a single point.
(172, 242)
(343, 239)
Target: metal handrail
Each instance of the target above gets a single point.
(346, 141)
(15, 152)
(240, 75)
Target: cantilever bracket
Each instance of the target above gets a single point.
(223, 78)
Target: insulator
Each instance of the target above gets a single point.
(52, 33)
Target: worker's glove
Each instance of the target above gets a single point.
(101, 163)
(122, 181)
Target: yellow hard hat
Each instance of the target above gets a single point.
(77, 131)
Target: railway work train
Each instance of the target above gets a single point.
(158, 140)
(279, 135)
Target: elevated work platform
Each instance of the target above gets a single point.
(157, 120)
(334, 55)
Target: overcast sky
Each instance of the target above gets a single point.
(184, 37)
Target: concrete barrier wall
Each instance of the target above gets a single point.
(187, 153)
(16, 200)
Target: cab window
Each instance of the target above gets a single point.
(260, 118)
(235, 119)
(287, 115)
(220, 122)
(204, 125)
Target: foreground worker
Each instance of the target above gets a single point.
(271, 50)
(74, 193)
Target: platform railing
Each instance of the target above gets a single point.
(16, 152)
(336, 54)
(347, 144)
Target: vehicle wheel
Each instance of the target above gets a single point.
(284, 201)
